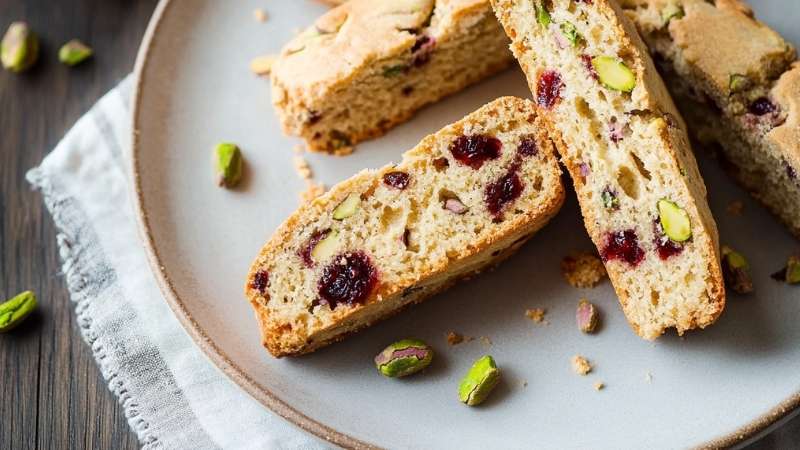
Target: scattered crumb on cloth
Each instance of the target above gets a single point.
(302, 168)
(536, 315)
(581, 365)
(454, 338)
(298, 149)
(486, 341)
(583, 269)
(735, 208)
(313, 190)
(260, 15)
(262, 65)
(599, 385)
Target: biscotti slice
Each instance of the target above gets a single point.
(368, 65)
(623, 142)
(735, 82)
(464, 198)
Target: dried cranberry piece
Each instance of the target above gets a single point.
(502, 192)
(616, 132)
(260, 281)
(665, 246)
(313, 117)
(623, 246)
(475, 150)
(548, 89)
(349, 279)
(586, 60)
(407, 90)
(790, 171)
(422, 49)
(762, 106)
(528, 147)
(305, 252)
(397, 180)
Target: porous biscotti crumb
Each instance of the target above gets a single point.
(260, 15)
(583, 270)
(581, 365)
(302, 168)
(262, 65)
(454, 338)
(312, 191)
(536, 315)
(735, 208)
(599, 385)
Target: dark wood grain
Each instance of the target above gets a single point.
(51, 392)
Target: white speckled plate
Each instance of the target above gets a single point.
(716, 387)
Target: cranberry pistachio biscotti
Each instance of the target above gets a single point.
(464, 198)
(368, 65)
(737, 83)
(625, 146)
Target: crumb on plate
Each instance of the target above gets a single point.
(260, 15)
(735, 208)
(599, 385)
(583, 269)
(262, 65)
(536, 315)
(581, 365)
(313, 190)
(302, 168)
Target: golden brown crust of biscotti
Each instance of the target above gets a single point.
(668, 131)
(369, 65)
(290, 330)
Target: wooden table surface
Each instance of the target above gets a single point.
(51, 393)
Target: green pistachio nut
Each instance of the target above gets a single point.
(672, 11)
(571, 33)
(674, 220)
(610, 200)
(348, 207)
(482, 377)
(394, 71)
(542, 16)
(326, 247)
(14, 311)
(74, 52)
(19, 48)
(738, 83)
(793, 270)
(614, 74)
(403, 358)
(229, 164)
(736, 271)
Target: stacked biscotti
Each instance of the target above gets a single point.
(738, 84)
(368, 65)
(626, 148)
(463, 199)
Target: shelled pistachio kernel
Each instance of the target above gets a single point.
(15, 310)
(672, 11)
(479, 381)
(586, 316)
(736, 271)
(542, 16)
(403, 358)
(793, 270)
(571, 33)
(674, 220)
(738, 83)
(613, 73)
(19, 48)
(74, 52)
(348, 207)
(326, 247)
(229, 164)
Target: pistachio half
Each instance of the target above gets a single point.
(613, 73)
(348, 207)
(672, 11)
(326, 247)
(74, 52)
(476, 385)
(403, 358)
(674, 220)
(229, 164)
(542, 16)
(738, 83)
(571, 33)
(19, 48)
(736, 271)
(14, 311)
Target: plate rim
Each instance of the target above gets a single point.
(745, 433)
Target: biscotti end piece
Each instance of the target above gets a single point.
(463, 199)
(368, 65)
(739, 90)
(623, 142)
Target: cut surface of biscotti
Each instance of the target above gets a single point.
(737, 83)
(625, 146)
(464, 198)
(368, 65)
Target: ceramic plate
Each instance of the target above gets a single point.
(715, 387)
